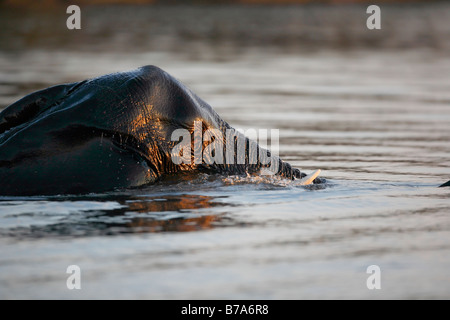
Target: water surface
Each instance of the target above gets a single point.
(370, 110)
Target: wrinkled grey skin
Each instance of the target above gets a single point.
(105, 133)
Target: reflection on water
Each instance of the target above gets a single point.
(164, 207)
(112, 215)
(371, 109)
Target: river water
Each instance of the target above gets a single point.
(368, 108)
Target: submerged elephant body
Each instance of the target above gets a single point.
(110, 132)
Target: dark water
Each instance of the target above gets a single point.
(369, 109)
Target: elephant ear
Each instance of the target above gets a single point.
(30, 106)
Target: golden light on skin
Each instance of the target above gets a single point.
(204, 136)
(196, 129)
(149, 127)
(139, 125)
(150, 175)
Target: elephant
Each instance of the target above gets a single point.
(116, 132)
